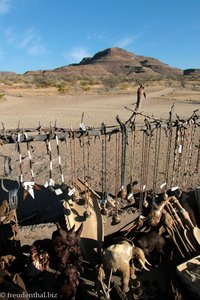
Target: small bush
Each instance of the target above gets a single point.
(86, 88)
(2, 97)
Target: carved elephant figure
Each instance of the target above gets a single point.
(151, 243)
(6, 261)
(119, 257)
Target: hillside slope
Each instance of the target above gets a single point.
(115, 61)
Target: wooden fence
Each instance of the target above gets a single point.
(158, 154)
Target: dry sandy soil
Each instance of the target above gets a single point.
(31, 107)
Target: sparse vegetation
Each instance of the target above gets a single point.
(64, 84)
(2, 97)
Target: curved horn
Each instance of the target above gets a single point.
(143, 265)
(148, 263)
(3, 186)
(5, 189)
(72, 229)
(79, 230)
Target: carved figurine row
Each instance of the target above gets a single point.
(22, 265)
(165, 213)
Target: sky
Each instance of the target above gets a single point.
(46, 34)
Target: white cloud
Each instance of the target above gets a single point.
(28, 40)
(36, 50)
(4, 7)
(125, 42)
(76, 55)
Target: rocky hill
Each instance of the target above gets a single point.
(114, 61)
(193, 72)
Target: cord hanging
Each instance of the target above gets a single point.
(145, 159)
(122, 192)
(190, 144)
(30, 186)
(51, 182)
(191, 170)
(30, 157)
(176, 148)
(180, 154)
(59, 159)
(20, 157)
(156, 160)
(197, 168)
(131, 184)
(103, 170)
(169, 147)
(73, 192)
(116, 218)
(87, 213)
(142, 174)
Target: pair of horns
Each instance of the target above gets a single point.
(78, 230)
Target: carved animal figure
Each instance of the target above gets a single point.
(152, 244)
(11, 217)
(4, 210)
(119, 257)
(155, 215)
(67, 283)
(66, 246)
(6, 261)
(67, 249)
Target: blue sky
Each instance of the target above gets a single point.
(46, 34)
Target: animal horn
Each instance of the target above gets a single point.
(143, 265)
(79, 230)
(72, 229)
(148, 263)
(3, 186)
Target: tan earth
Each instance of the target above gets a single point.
(68, 109)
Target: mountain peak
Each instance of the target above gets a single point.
(114, 53)
(116, 61)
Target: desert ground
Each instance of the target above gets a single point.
(29, 107)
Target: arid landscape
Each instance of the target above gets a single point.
(36, 98)
(45, 106)
(63, 94)
(91, 94)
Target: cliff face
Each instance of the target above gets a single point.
(115, 61)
